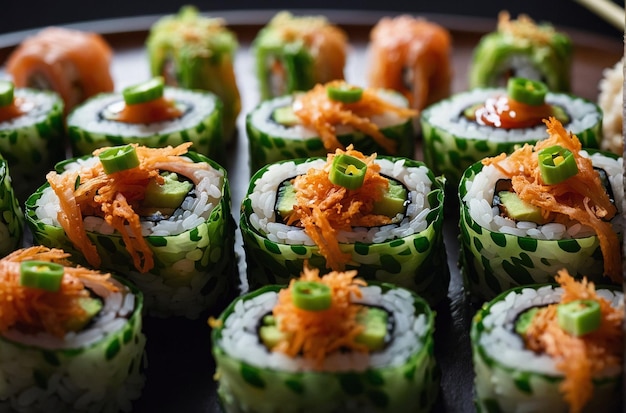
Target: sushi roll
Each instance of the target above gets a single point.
(330, 116)
(326, 344)
(479, 123)
(545, 207)
(71, 338)
(611, 101)
(383, 217)
(32, 134)
(149, 114)
(11, 214)
(159, 216)
(411, 56)
(522, 48)
(550, 348)
(294, 53)
(196, 52)
(74, 64)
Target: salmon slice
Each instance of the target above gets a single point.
(412, 56)
(73, 63)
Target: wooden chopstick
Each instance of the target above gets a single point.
(607, 10)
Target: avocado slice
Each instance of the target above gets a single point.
(91, 307)
(168, 196)
(285, 200)
(269, 333)
(374, 320)
(393, 201)
(524, 320)
(285, 116)
(516, 208)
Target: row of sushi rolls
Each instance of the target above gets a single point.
(341, 224)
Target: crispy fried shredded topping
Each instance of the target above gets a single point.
(35, 310)
(316, 334)
(581, 198)
(579, 358)
(115, 198)
(525, 28)
(317, 111)
(324, 209)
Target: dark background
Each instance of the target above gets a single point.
(29, 14)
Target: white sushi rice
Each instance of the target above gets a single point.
(195, 105)
(240, 338)
(503, 344)
(479, 197)
(447, 115)
(193, 211)
(39, 105)
(263, 201)
(261, 118)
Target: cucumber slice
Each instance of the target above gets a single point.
(144, 92)
(7, 89)
(285, 116)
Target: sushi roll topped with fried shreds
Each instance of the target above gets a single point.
(348, 191)
(330, 116)
(412, 56)
(557, 347)
(277, 347)
(125, 185)
(522, 48)
(60, 324)
(552, 182)
(294, 53)
(197, 52)
(75, 64)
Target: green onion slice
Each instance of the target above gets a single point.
(144, 92)
(529, 92)
(344, 93)
(579, 317)
(7, 89)
(556, 164)
(41, 274)
(347, 171)
(311, 295)
(119, 158)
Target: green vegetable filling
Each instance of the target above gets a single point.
(165, 198)
(524, 320)
(375, 321)
(285, 116)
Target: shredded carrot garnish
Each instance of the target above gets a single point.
(581, 198)
(324, 209)
(115, 197)
(316, 334)
(579, 358)
(317, 111)
(33, 310)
